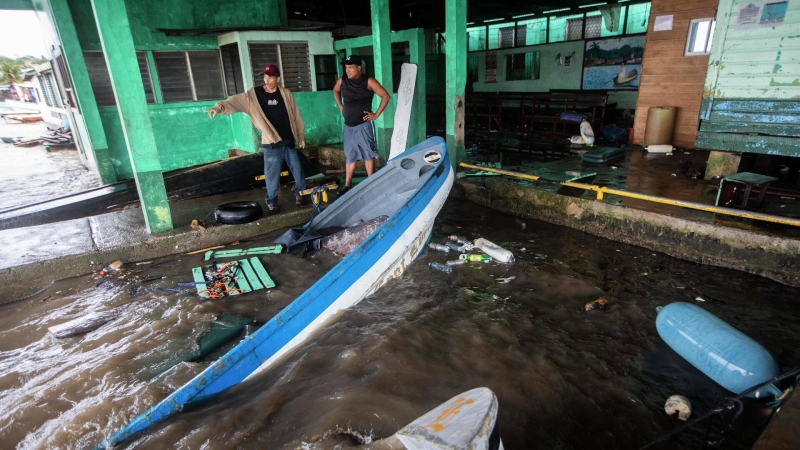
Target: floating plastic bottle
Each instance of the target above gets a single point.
(474, 257)
(495, 251)
(460, 239)
(457, 262)
(439, 247)
(455, 247)
(441, 267)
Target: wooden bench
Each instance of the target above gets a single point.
(542, 111)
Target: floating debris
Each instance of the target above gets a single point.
(599, 303)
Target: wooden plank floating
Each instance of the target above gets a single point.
(247, 275)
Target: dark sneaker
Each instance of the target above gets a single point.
(300, 202)
(344, 190)
(272, 207)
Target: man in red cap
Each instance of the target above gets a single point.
(274, 112)
(358, 89)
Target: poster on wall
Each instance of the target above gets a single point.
(614, 63)
(491, 67)
(748, 15)
(773, 14)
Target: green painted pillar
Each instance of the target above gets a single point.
(65, 27)
(416, 48)
(117, 41)
(382, 49)
(455, 26)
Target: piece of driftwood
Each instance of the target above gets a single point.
(85, 324)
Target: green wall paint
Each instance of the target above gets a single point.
(551, 75)
(185, 136)
(147, 15)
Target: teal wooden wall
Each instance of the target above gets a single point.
(752, 86)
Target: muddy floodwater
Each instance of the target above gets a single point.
(31, 175)
(566, 378)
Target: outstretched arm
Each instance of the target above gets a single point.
(235, 103)
(337, 93)
(374, 86)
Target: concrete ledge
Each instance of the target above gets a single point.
(769, 256)
(82, 246)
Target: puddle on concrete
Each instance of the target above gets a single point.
(565, 378)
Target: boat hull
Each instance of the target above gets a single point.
(383, 256)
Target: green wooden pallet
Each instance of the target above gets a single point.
(249, 276)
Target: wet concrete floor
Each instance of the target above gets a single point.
(565, 377)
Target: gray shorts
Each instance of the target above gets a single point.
(359, 142)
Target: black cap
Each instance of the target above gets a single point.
(352, 60)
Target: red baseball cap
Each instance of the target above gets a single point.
(271, 70)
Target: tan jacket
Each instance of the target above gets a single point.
(248, 103)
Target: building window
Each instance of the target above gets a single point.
(535, 31)
(476, 39)
(325, 68)
(232, 68)
(101, 81)
(187, 76)
(291, 58)
(701, 33)
(522, 66)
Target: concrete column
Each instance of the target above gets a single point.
(416, 48)
(382, 48)
(455, 25)
(117, 41)
(65, 27)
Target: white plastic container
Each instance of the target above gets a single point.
(498, 253)
(660, 148)
(587, 133)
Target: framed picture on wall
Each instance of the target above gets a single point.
(614, 63)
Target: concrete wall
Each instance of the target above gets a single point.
(551, 75)
(669, 78)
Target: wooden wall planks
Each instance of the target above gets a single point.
(668, 77)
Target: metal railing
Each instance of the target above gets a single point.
(601, 191)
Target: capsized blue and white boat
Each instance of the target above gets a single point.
(410, 191)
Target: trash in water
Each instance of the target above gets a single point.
(441, 267)
(457, 262)
(113, 267)
(439, 247)
(474, 257)
(599, 303)
(680, 405)
(521, 224)
(455, 247)
(495, 251)
(505, 280)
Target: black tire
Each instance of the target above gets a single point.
(238, 212)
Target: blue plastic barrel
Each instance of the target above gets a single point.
(717, 349)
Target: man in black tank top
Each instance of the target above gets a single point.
(357, 89)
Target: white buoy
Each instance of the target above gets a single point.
(679, 404)
(495, 251)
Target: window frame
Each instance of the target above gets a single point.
(190, 74)
(709, 36)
